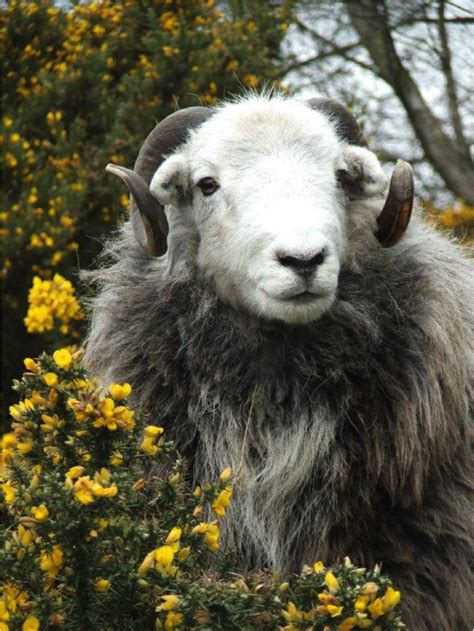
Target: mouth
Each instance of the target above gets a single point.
(303, 297)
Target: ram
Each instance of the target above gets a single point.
(271, 306)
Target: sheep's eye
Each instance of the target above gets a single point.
(208, 185)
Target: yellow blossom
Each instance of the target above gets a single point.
(31, 624)
(164, 556)
(222, 502)
(174, 535)
(63, 358)
(102, 585)
(50, 562)
(173, 620)
(376, 608)
(348, 624)
(390, 599)
(116, 459)
(318, 567)
(50, 379)
(75, 472)
(41, 513)
(184, 553)
(119, 392)
(226, 475)
(9, 492)
(360, 603)
(334, 611)
(152, 431)
(147, 563)
(31, 365)
(170, 601)
(331, 581)
(83, 490)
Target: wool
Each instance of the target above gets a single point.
(348, 436)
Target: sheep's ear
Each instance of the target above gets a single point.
(360, 173)
(169, 185)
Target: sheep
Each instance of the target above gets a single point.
(273, 307)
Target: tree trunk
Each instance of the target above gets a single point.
(370, 21)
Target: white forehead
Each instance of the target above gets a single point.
(259, 126)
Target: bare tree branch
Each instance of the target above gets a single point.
(445, 57)
(335, 51)
(369, 18)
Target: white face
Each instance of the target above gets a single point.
(272, 234)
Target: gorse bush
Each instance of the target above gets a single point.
(83, 85)
(101, 530)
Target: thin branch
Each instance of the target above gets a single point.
(445, 57)
(297, 65)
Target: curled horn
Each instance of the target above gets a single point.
(149, 223)
(395, 216)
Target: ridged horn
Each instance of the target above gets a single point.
(149, 223)
(395, 216)
(347, 126)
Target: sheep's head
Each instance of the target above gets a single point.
(265, 185)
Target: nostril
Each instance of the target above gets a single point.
(301, 263)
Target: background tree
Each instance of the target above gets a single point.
(397, 62)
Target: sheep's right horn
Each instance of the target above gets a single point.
(151, 211)
(395, 216)
(150, 224)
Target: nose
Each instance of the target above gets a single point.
(302, 263)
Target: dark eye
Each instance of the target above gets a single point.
(208, 185)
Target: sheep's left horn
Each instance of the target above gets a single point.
(151, 211)
(395, 216)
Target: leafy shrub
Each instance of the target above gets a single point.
(83, 85)
(102, 531)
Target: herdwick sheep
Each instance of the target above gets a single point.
(272, 308)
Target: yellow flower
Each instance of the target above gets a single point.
(50, 562)
(83, 490)
(334, 611)
(226, 475)
(318, 567)
(390, 599)
(174, 536)
(98, 30)
(30, 364)
(10, 492)
(148, 444)
(332, 582)
(173, 620)
(31, 624)
(184, 553)
(164, 555)
(292, 613)
(376, 608)
(25, 445)
(50, 379)
(251, 80)
(222, 502)
(348, 624)
(102, 585)
(41, 513)
(119, 392)
(147, 563)
(63, 358)
(170, 601)
(116, 459)
(360, 603)
(152, 431)
(75, 472)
